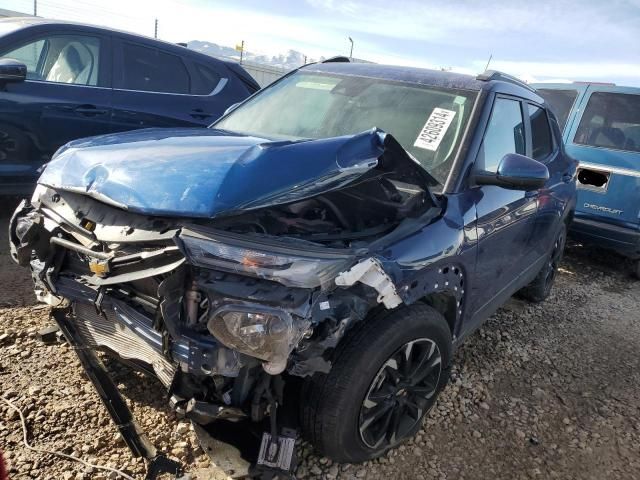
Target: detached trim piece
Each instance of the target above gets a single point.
(371, 273)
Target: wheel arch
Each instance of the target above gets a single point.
(446, 304)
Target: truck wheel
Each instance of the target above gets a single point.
(386, 375)
(636, 269)
(538, 290)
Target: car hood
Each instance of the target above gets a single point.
(207, 173)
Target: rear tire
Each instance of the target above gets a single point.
(636, 269)
(540, 288)
(386, 375)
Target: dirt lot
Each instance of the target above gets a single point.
(545, 391)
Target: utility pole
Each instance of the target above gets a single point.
(305, 59)
(155, 34)
(241, 49)
(351, 53)
(35, 8)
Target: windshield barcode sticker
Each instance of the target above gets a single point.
(434, 130)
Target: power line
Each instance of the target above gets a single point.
(89, 9)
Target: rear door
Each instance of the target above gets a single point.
(559, 190)
(157, 88)
(66, 96)
(605, 138)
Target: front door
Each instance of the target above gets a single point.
(505, 218)
(66, 96)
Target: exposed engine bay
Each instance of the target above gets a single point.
(346, 218)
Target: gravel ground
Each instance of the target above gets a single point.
(541, 391)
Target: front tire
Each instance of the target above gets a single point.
(540, 288)
(386, 375)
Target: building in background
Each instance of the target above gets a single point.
(262, 73)
(10, 13)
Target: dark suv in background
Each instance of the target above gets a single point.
(321, 249)
(81, 81)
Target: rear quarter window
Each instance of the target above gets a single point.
(207, 80)
(611, 120)
(541, 139)
(152, 70)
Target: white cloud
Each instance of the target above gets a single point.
(541, 40)
(569, 70)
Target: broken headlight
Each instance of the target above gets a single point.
(260, 332)
(289, 266)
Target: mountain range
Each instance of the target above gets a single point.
(290, 60)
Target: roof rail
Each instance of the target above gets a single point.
(337, 59)
(489, 75)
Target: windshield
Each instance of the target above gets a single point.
(427, 121)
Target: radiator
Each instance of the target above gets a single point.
(125, 331)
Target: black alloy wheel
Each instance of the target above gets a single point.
(385, 376)
(400, 394)
(551, 268)
(540, 288)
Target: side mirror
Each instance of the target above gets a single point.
(231, 108)
(516, 172)
(12, 71)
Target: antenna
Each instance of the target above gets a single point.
(488, 62)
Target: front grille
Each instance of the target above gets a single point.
(122, 329)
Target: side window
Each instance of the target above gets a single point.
(60, 59)
(208, 80)
(151, 70)
(541, 140)
(504, 134)
(560, 101)
(30, 55)
(611, 120)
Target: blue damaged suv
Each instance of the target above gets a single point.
(321, 249)
(60, 81)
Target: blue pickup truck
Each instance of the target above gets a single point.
(601, 129)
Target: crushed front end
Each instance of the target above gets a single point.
(224, 310)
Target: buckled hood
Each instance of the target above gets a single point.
(206, 173)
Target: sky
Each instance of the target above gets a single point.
(536, 40)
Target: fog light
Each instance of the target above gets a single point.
(267, 334)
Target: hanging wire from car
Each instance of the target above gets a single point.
(56, 452)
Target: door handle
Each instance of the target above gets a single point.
(90, 110)
(200, 114)
(567, 177)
